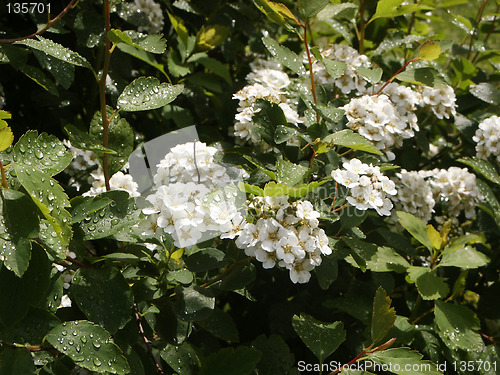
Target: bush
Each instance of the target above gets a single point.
(200, 187)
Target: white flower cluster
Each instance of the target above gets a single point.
(381, 121)
(350, 80)
(266, 82)
(368, 187)
(441, 101)
(195, 199)
(456, 189)
(414, 194)
(154, 13)
(487, 138)
(86, 160)
(284, 234)
(119, 181)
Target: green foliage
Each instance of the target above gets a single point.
(320, 337)
(89, 345)
(71, 248)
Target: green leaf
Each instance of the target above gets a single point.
(487, 93)
(38, 76)
(50, 198)
(19, 223)
(348, 138)
(404, 361)
(429, 285)
(239, 277)
(423, 76)
(81, 207)
(148, 43)
(19, 294)
(383, 315)
(372, 75)
(193, 303)
(205, 259)
(250, 189)
(229, 361)
(289, 173)
(89, 346)
(327, 272)
(277, 12)
(146, 93)
(85, 141)
(6, 135)
(465, 257)
(322, 338)
(332, 115)
(104, 296)
(276, 358)
(44, 152)
(211, 36)
(32, 329)
(416, 227)
(63, 73)
(181, 358)
(483, 167)
(16, 361)
(56, 50)
(434, 237)
(285, 56)
(142, 55)
(309, 8)
(429, 50)
(267, 120)
(120, 214)
(375, 258)
(457, 325)
(51, 242)
(334, 68)
(213, 65)
(393, 8)
(121, 139)
(221, 325)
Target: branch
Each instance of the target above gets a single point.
(49, 24)
(4, 179)
(102, 96)
(146, 340)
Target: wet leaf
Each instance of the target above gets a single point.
(383, 315)
(89, 346)
(104, 296)
(285, 56)
(322, 338)
(146, 93)
(457, 326)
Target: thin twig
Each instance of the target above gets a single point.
(102, 95)
(395, 74)
(146, 340)
(46, 27)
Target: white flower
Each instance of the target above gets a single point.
(154, 13)
(441, 101)
(487, 138)
(368, 186)
(414, 194)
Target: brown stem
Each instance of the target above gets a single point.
(146, 340)
(313, 84)
(395, 74)
(102, 96)
(423, 315)
(354, 360)
(4, 179)
(490, 31)
(362, 26)
(341, 207)
(46, 27)
(334, 197)
(476, 26)
(74, 261)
